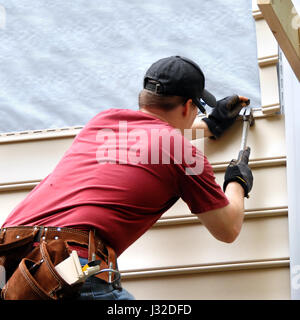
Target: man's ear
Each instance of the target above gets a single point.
(187, 107)
(184, 109)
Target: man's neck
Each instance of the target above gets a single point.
(154, 114)
(163, 117)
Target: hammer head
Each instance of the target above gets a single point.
(247, 115)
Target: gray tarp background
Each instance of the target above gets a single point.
(62, 62)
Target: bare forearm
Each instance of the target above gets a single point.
(235, 195)
(200, 125)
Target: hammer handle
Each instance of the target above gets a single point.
(244, 138)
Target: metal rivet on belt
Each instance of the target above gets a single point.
(56, 237)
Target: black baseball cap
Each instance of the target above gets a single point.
(178, 76)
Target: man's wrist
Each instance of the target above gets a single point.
(202, 125)
(235, 187)
(215, 131)
(207, 132)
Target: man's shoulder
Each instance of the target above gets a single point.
(119, 113)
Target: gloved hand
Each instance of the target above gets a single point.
(225, 114)
(239, 171)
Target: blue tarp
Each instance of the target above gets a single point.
(62, 62)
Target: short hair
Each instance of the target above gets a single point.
(150, 99)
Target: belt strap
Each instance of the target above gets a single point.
(110, 263)
(92, 246)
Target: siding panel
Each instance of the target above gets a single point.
(192, 244)
(265, 284)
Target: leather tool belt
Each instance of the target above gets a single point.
(29, 256)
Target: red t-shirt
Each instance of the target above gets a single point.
(119, 176)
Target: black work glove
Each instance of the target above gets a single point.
(224, 114)
(239, 171)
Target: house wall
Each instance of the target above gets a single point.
(178, 258)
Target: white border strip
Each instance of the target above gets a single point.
(291, 94)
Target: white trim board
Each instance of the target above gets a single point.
(282, 19)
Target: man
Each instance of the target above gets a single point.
(126, 168)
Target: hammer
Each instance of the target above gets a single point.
(248, 121)
(245, 113)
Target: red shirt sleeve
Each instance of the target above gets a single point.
(200, 191)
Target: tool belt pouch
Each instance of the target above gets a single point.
(35, 277)
(14, 247)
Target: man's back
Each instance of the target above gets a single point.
(107, 180)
